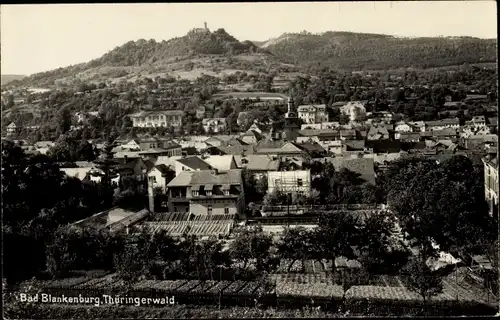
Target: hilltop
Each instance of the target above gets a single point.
(358, 51)
(200, 51)
(216, 53)
(6, 78)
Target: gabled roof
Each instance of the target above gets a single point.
(310, 147)
(378, 132)
(443, 122)
(258, 162)
(355, 144)
(162, 168)
(270, 144)
(163, 112)
(194, 163)
(222, 163)
(204, 177)
(319, 132)
(12, 125)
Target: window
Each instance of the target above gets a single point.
(152, 179)
(209, 209)
(226, 210)
(209, 192)
(299, 182)
(226, 192)
(195, 193)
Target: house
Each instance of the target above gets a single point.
(116, 220)
(84, 173)
(251, 137)
(442, 124)
(377, 132)
(290, 182)
(12, 129)
(83, 117)
(491, 182)
(417, 126)
(190, 164)
(279, 147)
(152, 119)
(132, 145)
(479, 142)
(218, 140)
(354, 145)
(402, 127)
(311, 126)
(235, 146)
(468, 131)
(160, 175)
(136, 168)
(207, 192)
(43, 146)
(257, 164)
(314, 113)
(355, 110)
(477, 121)
(407, 136)
(157, 145)
(214, 125)
(318, 134)
(347, 134)
(222, 162)
(442, 133)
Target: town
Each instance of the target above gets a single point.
(334, 192)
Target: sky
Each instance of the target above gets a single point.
(37, 38)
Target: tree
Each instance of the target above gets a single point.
(418, 277)
(251, 243)
(63, 121)
(336, 233)
(441, 204)
(379, 251)
(297, 244)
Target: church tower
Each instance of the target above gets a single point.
(292, 122)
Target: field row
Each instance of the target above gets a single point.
(294, 285)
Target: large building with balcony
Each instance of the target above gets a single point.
(152, 119)
(491, 182)
(314, 113)
(207, 192)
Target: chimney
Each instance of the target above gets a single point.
(126, 158)
(151, 196)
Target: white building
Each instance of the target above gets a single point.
(295, 182)
(491, 182)
(151, 119)
(314, 113)
(158, 176)
(402, 127)
(215, 125)
(355, 110)
(442, 124)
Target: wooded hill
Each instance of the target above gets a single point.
(215, 52)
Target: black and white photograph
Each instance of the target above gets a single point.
(249, 160)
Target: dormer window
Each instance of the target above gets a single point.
(196, 193)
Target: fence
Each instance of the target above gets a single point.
(307, 209)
